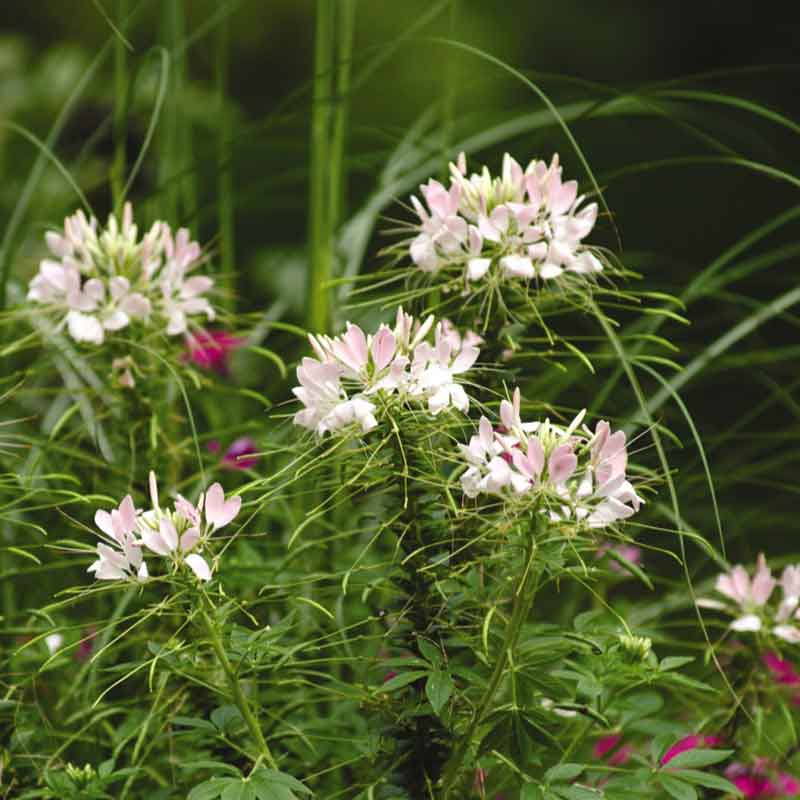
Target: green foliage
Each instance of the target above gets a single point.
(368, 630)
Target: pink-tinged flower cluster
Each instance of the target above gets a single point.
(101, 280)
(212, 350)
(178, 534)
(576, 473)
(405, 363)
(750, 600)
(527, 223)
(691, 742)
(762, 779)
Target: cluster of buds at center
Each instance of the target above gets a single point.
(573, 472)
(525, 224)
(338, 387)
(177, 534)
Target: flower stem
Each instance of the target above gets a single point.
(233, 682)
(523, 599)
(320, 226)
(120, 112)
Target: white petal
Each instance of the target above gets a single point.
(787, 632)
(749, 622)
(477, 268)
(198, 565)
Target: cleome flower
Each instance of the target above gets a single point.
(750, 600)
(576, 473)
(338, 387)
(121, 556)
(525, 224)
(100, 281)
(177, 534)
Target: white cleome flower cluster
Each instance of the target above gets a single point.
(525, 224)
(103, 280)
(573, 473)
(338, 387)
(177, 534)
(748, 600)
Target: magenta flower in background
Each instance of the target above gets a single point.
(211, 350)
(784, 672)
(85, 648)
(760, 780)
(241, 454)
(689, 743)
(605, 744)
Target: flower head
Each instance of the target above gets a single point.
(575, 473)
(120, 555)
(177, 534)
(523, 224)
(749, 600)
(100, 281)
(337, 387)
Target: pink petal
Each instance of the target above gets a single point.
(561, 464)
(218, 512)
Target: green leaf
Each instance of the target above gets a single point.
(208, 763)
(106, 768)
(272, 356)
(402, 680)
(210, 789)
(578, 793)
(697, 758)
(438, 687)
(707, 779)
(226, 717)
(430, 651)
(243, 790)
(531, 791)
(272, 785)
(678, 789)
(195, 722)
(674, 662)
(564, 772)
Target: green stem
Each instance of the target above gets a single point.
(120, 112)
(233, 682)
(449, 92)
(523, 600)
(339, 113)
(320, 237)
(224, 162)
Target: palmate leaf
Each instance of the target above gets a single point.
(264, 784)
